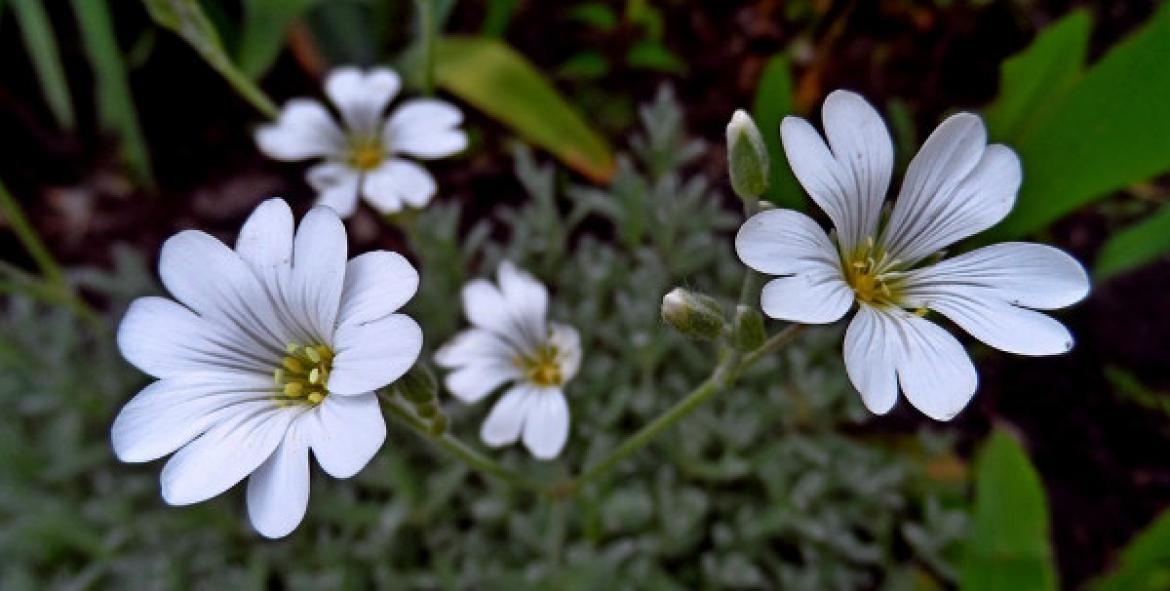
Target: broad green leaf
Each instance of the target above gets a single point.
(115, 104)
(41, 44)
(1109, 130)
(1008, 547)
(187, 19)
(1144, 564)
(1032, 81)
(263, 30)
(498, 81)
(1135, 246)
(772, 103)
(594, 14)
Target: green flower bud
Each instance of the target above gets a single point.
(747, 157)
(749, 328)
(693, 314)
(418, 385)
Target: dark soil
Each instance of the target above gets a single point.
(1101, 455)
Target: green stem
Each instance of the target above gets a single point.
(453, 445)
(29, 238)
(426, 22)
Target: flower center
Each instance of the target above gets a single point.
(365, 154)
(541, 368)
(872, 275)
(303, 374)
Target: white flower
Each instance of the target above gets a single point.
(957, 185)
(512, 341)
(271, 350)
(362, 156)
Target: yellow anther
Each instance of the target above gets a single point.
(314, 375)
(291, 348)
(921, 312)
(313, 354)
(293, 364)
(294, 389)
(316, 397)
(302, 375)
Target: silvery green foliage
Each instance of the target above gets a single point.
(775, 484)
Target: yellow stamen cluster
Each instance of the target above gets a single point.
(542, 367)
(365, 154)
(303, 374)
(870, 272)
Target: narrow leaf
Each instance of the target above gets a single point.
(1008, 547)
(1144, 564)
(41, 44)
(263, 31)
(187, 19)
(1032, 81)
(116, 111)
(500, 82)
(1108, 131)
(772, 103)
(1135, 246)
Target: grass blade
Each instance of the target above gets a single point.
(41, 44)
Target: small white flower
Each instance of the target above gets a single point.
(362, 156)
(956, 186)
(271, 350)
(511, 340)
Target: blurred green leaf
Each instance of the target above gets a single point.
(499, 15)
(187, 19)
(263, 31)
(1109, 130)
(41, 44)
(772, 103)
(648, 54)
(1032, 81)
(500, 82)
(115, 104)
(584, 65)
(1135, 246)
(1144, 564)
(594, 14)
(1008, 547)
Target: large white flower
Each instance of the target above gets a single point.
(270, 350)
(511, 340)
(957, 185)
(361, 157)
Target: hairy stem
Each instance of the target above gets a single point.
(452, 445)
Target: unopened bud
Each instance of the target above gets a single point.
(418, 385)
(693, 314)
(749, 328)
(747, 157)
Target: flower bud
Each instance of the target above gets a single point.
(749, 328)
(418, 385)
(747, 157)
(693, 314)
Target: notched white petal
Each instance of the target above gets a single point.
(278, 491)
(785, 242)
(376, 285)
(303, 129)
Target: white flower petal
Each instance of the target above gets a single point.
(1004, 326)
(934, 189)
(336, 185)
(164, 339)
(318, 273)
(871, 353)
(395, 182)
(266, 239)
(849, 182)
(935, 372)
(361, 97)
(546, 425)
(345, 432)
(278, 491)
(485, 307)
(304, 129)
(171, 412)
(425, 128)
(471, 382)
(506, 419)
(225, 454)
(810, 298)
(527, 302)
(784, 242)
(371, 355)
(568, 343)
(212, 280)
(1019, 273)
(474, 345)
(376, 285)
